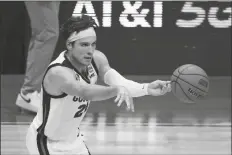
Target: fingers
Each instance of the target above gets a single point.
(132, 105)
(122, 98)
(168, 84)
(160, 84)
(164, 84)
(160, 88)
(166, 88)
(169, 88)
(117, 98)
(128, 100)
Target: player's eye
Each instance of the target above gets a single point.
(84, 44)
(94, 44)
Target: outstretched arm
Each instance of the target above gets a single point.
(62, 80)
(112, 77)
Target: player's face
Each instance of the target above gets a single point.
(83, 50)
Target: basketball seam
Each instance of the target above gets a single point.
(181, 73)
(182, 70)
(183, 91)
(175, 84)
(194, 74)
(177, 77)
(190, 84)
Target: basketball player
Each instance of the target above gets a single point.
(69, 86)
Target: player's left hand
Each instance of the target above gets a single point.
(158, 88)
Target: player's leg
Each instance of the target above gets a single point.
(31, 141)
(38, 144)
(45, 33)
(76, 147)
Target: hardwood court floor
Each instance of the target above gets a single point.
(134, 139)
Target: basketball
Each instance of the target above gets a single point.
(190, 83)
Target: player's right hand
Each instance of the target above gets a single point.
(124, 95)
(159, 87)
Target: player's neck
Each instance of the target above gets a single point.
(80, 67)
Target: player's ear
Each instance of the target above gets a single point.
(69, 45)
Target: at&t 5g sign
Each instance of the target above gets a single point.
(150, 14)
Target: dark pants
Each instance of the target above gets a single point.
(45, 32)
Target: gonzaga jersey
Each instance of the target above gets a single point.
(60, 116)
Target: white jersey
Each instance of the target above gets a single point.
(60, 116)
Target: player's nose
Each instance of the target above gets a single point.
(91, 50)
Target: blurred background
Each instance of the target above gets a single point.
(144, 44)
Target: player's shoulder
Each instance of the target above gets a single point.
(99, 57)
(59, 72)
(98, 54)
(59, 69)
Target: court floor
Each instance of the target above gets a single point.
(128, 135)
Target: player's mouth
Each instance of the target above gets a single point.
(88, 58)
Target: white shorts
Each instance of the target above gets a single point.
(38, 144)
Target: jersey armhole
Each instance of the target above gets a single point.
(44, 90)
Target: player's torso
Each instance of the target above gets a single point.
(60, 116)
